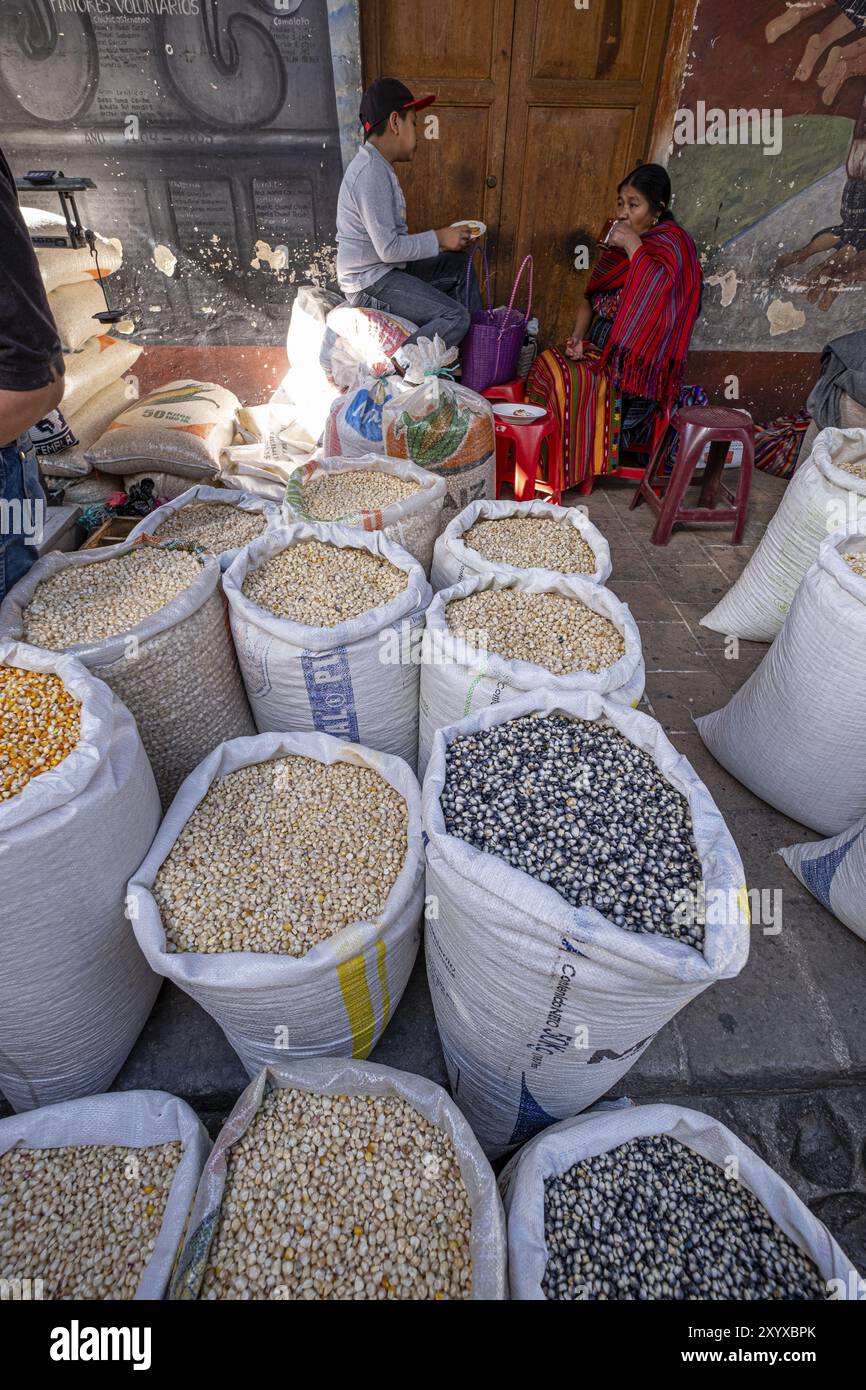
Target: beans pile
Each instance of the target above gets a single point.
(652, 1219)
(335, 495)
(341, 832)
(40, 724)
(857, 561)
(559, 633)
(528, 541)
(578, 807)
(87, 603)
(322, 585)
(212, 526)
(341, 1197)
(84, 1218)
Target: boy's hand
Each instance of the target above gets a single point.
(453, 238)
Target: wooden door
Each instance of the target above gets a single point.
(460, 49)
(581, 102)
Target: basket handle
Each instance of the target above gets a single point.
(471, 261)
(527, 261)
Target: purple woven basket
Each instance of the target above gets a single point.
(492, 346)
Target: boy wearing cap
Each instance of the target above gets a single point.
(380, 264)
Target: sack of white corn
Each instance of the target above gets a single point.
(509, 538)
(373, 493)
(490, 640)
(442, 426)
(353, 428)
(625, 1203)
(827, 494)
(586, 888)
(100, 363)
(302, 950)
(834, 871)
(387, 1194)
(67, 265)
(323, 620)
(151, 622)
(214, 520)
(793, 734)
(179, 429)
(78, 810)
(74, 308)
(99, 1192)
(87, 424)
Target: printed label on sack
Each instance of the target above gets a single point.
(330, 693)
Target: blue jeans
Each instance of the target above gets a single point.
(431, 293)
(22, 511)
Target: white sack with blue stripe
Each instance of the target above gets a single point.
(834, 871)
(358, 681)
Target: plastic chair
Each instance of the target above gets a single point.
(700, 426)
(634, 472)
(518, 449)
(514, 392)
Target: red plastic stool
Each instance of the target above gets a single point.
(518, 449)
(511, 391)
(699, 426)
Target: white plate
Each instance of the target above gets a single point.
(472, 222)
(518, 414)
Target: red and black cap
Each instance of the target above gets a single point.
(385, 95)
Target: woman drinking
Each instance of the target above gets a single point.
(625, 359)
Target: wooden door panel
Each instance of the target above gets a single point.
(444, 41)
(446, 179)
(609, 40)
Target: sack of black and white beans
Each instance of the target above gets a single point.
(582, 888)
(491, 639)
(509, 538)
(793, 734)
(76, 816)
(326, 621)
(374, 493)
(151, 622)
(100, 1190)
(658, 1202)
(215, 520)
(284, 892)
(367, 1184)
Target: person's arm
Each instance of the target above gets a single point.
(574, 346)
(374, 195)
(21, 409)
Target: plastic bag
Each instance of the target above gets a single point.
(354, 424)
(454, 559)
(366, 338)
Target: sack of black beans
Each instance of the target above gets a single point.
(215, 520)
(510, 538)
(301, 950)
(583, 887)
(369, 1185)
(101, 1189)
(810, 768)
(658, 1202)
(79, 808)
(491, 639)
(325, 621)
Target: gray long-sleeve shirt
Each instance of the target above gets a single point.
(372, 235)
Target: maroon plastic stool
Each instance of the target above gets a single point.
(518, 449)
(698, 426)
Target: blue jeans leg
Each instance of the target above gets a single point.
(22, 511)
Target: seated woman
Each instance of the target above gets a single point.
(626, 356)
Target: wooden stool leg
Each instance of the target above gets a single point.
(712, 480)
(747, 468)
(689, 452)
(657, 458)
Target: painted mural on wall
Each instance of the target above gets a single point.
(215, 131)
(769, 170)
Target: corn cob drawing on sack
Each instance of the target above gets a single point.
(182, 427)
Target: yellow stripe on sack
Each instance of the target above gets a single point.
(355, 989)
(382, 965)
(744, 904)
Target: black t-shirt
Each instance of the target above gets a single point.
(30, 355)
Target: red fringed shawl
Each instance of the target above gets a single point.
(661, 295)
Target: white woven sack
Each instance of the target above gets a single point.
(165, 485)
(75, 990)
(793, 734)
(562, 1146)
(455, 560)
(515, 971)
(338, 998)
(459, 679)
(340, 680)
(88, 424)
(820, 499)
(412, 523)
(101, 361)
(176, 672)
(244, 501)
(334, 1077)
(133, 1120)
(834, 871)
(68, 265)
(73, 308)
